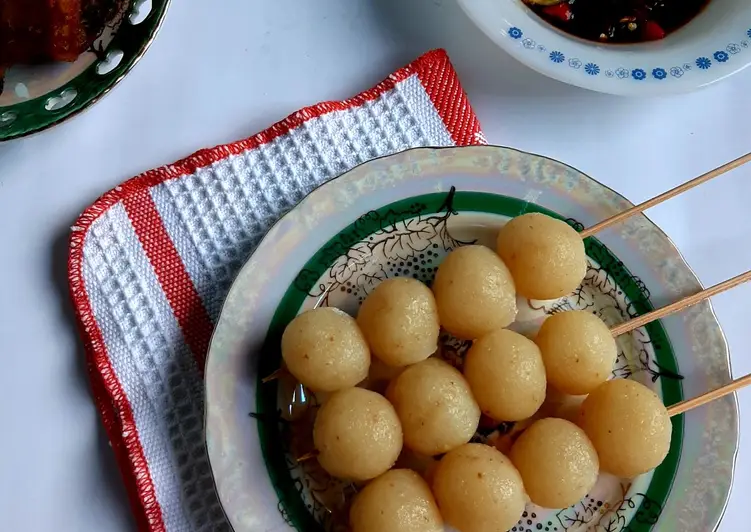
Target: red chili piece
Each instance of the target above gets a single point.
(653, 31)
(560, 11)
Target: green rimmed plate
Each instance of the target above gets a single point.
(35, 98)
(399, 216)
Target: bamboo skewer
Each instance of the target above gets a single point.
(688, 185)
(640, 321)
(680, 305)
(674, 307)
(676, 409)
(722, 391)
(307, 456)
(278, 373)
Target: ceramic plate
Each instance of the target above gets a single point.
(713, 46)
(34, 98)
(398, 216)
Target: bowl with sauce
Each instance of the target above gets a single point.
(625, 47)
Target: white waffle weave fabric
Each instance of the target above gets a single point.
(152, 260)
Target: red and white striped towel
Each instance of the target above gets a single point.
(152, 260)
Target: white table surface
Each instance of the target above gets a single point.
(220, 71)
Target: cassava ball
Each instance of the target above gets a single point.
(556, 461)
(324, 349)
(474, 292)
(505, 372)
(400, 321)
(478, 489)
(578, 350)
(546, 256)
(357, 434)
(628, 425)
(435, 405)
(397, 501)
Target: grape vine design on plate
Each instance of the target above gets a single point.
(410, 243)
(596, 515)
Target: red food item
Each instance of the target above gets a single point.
(22, 26)
(35, 31)
(618, 21)
(67, 35)
(653, 31)
(560, 11)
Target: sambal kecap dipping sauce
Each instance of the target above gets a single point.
(618, 21)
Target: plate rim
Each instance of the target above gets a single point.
(519, 153)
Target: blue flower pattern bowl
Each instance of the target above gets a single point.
(715, 45)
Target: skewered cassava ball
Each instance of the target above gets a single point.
(397, 501)
(478, 489)
(475, 292)
(435, 405)
(400, 321)
(357, 434)
(325, 350)
(628, 425)
(578, 351)
(546, 256)
(505, 372)
(557, 462)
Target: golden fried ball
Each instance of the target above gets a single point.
(478, 489)
(578, 351)
(325, 350)
(475, 292)
(400, 321)
(357, 434)
(557, 462)
(397, 501)
(435, 405)
(505, 372)
(628, 425)
(546, 256)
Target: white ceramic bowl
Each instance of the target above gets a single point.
(713, 46)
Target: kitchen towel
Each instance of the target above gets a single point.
(152, 260)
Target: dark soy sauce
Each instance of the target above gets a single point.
(619, 21)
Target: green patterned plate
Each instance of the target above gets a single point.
(34, 98)
(398, 216)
